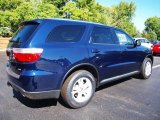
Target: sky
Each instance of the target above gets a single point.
(144, 9)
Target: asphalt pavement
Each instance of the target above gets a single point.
(126, 99)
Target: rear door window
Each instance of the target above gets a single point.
(24, 32)
(66, 33)
(102, 35)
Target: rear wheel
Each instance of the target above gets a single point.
(78, 89)
(146, 68)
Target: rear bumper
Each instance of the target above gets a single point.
(35, 95)
(11, 73)
(32, 87)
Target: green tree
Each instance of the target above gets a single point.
(122, 15)
(151, 35)
(71, 8)
(137, 34)
(153, 24)
(26, 11)
(9, 19)
(10, 4)
(13, 12)
(86, 10)
(57, 3)
(46, 10)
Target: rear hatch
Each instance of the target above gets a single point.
(17, 51)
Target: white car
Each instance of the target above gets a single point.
(144, 42)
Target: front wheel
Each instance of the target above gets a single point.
(78, 89)
(146, 68)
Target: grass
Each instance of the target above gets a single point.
(3, 42)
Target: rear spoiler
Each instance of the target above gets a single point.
(31, 22)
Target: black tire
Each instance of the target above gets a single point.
(143, 73)
(71, 82)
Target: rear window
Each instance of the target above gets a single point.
(66, 33)
(23, 33)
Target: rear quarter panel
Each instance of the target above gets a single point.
(58, 58)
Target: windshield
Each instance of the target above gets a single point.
(143, 41)
(23, 33)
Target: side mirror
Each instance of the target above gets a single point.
(137, 43)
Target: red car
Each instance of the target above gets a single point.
(156, 49)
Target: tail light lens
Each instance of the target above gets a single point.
(27, 54)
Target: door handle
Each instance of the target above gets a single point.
(95, 51)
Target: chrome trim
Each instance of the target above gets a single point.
(35, 95)
(118, 77)
(27, 50)
(13, 74)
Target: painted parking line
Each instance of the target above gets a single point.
(156, 66)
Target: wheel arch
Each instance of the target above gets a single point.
(83, 66)
(150, 56)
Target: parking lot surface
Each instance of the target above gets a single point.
(126, 99)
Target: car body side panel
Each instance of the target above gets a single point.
(132, 57)
(107, 60)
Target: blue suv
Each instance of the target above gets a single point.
(53, 57)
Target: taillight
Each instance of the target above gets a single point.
(27, 54)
